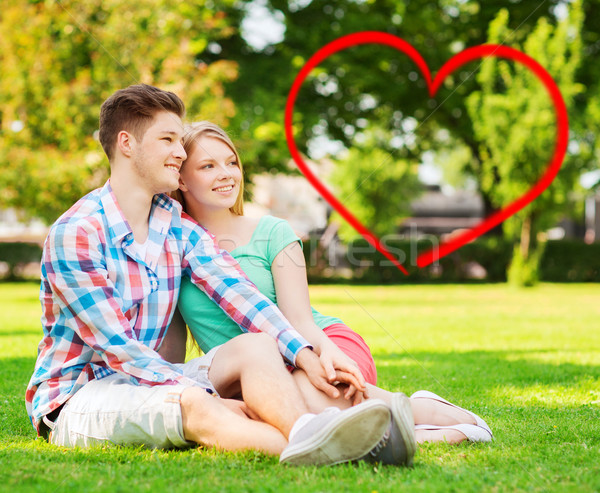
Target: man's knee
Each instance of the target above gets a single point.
(252, 345)
(199, 415)
(195, 401)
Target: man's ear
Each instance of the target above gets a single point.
(125, 143)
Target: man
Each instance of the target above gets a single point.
(111, 270)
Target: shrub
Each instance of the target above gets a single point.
(570, 261)
(15, 255)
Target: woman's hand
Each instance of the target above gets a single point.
(333, 360)
(308, 361)
(337, 365)
(331, 365)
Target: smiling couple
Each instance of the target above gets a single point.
(110, 364)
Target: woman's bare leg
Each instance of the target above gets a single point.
(317, 401)
(425, 411)
(450, 436)
(428, 411)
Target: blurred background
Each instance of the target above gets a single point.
(411, 168)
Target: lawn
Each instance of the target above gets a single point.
(528, 361)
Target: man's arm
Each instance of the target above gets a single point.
(75, 268)
(220, 276)
(222, 279)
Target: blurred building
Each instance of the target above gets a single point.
(291, 197)
(592, 218)
(13, 228)
(438, 213)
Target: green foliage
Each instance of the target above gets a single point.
(376, 187)
(524, 271)
(331, 97)
(369, 266)
(331, 101)
(514, 122)
(60, 60)
(16, 255)
(570, 261)
(561, 261)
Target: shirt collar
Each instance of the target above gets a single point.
(118, 226)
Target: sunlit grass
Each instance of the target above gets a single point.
(526, 360)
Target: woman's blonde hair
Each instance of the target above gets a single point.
(193, 132)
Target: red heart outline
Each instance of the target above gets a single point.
(457, 61)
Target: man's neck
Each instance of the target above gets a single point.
(135, 203)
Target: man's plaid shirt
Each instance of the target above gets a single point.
(106, 310)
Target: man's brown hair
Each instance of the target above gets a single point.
(132, 109)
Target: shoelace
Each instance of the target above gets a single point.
(382, 443)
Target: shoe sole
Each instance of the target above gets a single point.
(474, 433)
(403, 417)
(348, 438)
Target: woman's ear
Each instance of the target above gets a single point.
(125, 143)
(182, 186)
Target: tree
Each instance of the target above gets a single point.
(330, 100)
(334, 97)
(60, 60)
(372, 84)
(375, 185)
(515, 126)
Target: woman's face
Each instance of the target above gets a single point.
(211, 175)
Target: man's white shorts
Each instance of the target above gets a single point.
(113, 410)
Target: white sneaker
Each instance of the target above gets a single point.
(333, 437)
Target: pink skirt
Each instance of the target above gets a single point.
(355, 347)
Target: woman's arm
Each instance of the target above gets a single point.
(291, 288)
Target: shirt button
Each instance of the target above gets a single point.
(155, 377)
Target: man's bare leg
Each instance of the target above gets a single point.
(208, 421)
(251, 365)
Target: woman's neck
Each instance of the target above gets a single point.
(217, 222)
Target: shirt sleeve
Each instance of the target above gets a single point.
(222, 279)
(76, 271)
(280, 235)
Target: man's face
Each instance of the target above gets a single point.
(157, 158)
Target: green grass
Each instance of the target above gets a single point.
(526, 360)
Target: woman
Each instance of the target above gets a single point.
(211, 191)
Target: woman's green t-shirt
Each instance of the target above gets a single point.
(208, 323)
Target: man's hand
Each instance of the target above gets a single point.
(308, 361)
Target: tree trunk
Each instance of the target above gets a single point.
(524, 266)
(525, 246)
